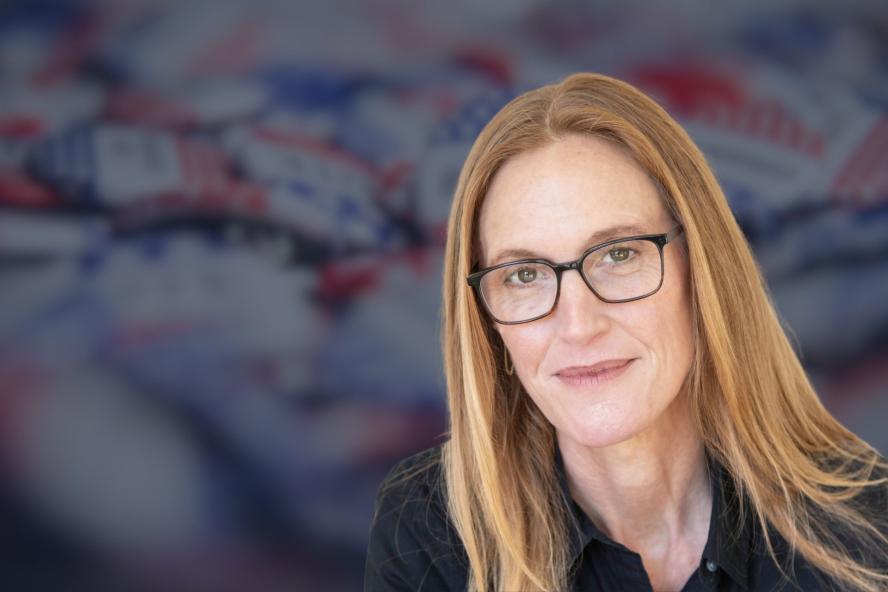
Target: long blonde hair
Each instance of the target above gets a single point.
(793, 466)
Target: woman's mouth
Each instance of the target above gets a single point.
(595, 374)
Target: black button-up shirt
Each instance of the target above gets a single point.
(413, 546)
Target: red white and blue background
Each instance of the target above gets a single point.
(221, 238)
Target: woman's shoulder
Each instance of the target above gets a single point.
(414, 489)
(858, 524)
(871, 500)
(418, 474)
(413, 544)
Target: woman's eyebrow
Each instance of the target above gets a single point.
(599, 236)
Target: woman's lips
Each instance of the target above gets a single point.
(593, 375)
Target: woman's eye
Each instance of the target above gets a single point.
(619, 254)
(525, 275)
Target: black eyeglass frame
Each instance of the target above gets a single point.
(661, 240)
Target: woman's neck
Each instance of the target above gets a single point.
(650, 493)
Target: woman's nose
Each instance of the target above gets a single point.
(582, 315)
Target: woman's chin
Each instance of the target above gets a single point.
(599, 432)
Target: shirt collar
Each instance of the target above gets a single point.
(727, 544)
(730, 541)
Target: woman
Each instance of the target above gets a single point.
(626, 412)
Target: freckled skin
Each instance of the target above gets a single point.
(549, 201)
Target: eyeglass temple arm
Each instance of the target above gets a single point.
(676, 230)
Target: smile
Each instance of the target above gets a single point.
(594, 375)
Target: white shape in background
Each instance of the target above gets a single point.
(133, 163)
(386, 346)
(272, 156)
(824, 238)
(109, 467)
(436, 180)
(22, 52)
(387, 128)
(186, 41)
(248, 306)
(40, 233)
(56, 107)
(225, 100)
(29, 291)
(836, 313)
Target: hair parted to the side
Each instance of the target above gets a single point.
(793, 466)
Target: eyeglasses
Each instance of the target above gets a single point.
(619, 270)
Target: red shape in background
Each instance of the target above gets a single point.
(689, 88)
(17, 189)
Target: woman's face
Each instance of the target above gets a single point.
(549, 203)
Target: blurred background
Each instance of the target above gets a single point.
(221, 237)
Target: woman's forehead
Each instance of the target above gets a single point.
(566, 196)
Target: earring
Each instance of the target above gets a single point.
(507, 362)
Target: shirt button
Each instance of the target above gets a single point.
(711, 566)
